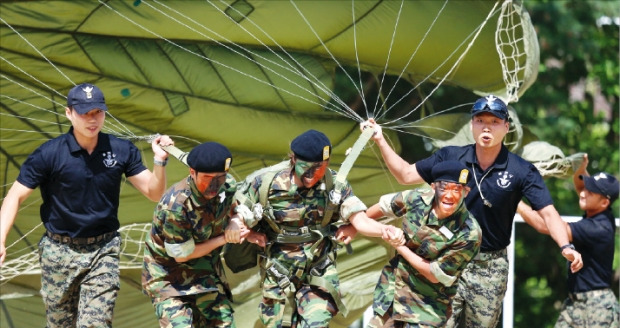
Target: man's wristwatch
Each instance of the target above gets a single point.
(160, 163)
(571, 246)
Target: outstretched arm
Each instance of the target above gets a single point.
(404, 172)
(16, 195)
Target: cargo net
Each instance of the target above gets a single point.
(513, 41)
(132, 249)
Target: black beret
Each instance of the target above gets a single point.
(209, 157)
(311, 146)
(451, 171)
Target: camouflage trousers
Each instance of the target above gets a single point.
(480, 291)
(386, 321)
(593, 309)
(314, 308)
(79, 283)
(198, 311)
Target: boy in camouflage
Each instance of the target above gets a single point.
(300, 281)
(416, 287)
(182, 271)
(591, 302)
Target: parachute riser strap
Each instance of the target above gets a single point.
(336, 194)
(176, 152)
(263, 195)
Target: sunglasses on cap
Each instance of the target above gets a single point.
(490, 104)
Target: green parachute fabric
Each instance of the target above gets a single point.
(249, 74)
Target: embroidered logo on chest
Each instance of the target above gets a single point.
(108, 159)
(503, 180)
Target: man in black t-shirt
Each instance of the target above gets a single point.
(591, 302)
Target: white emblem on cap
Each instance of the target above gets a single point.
(491, 98)
(88, 91)
(600, 176)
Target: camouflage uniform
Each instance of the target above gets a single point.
(402, 294)
(193, 293)
(593, 309)
(68, 304)
(299, 210)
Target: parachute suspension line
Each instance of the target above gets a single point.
(39, 52)
(317, 82)
(47, 98)
(210, 59)
(33, 78)
(291, 68)
(34, 92)
(387, 60)
(454, 66)
(330, 54)
(414, 124)
(357, 58)
(130, 256)
(428, 30)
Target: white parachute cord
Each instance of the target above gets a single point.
(317, 81)
(40, 53)
(454, 66)
(357, 58)
(419, 45)
(330, 54)
(35, 92)
(387, 60)
(210, 59)
(31, 76)
(291, 68)
(405, 124)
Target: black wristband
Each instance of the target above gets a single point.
(571, 246)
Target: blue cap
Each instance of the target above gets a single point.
(602, 183)
(86, 97)
(210, 157)
(312, 146)
(450, 171)
(490, 104)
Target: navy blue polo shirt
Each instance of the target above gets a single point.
(594, 239)
(80, 191)
(503, 184)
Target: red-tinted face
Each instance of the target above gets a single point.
(310, 172)
(448, 197)
(208, 183)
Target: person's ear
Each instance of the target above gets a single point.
(605, 202)
(467, 190)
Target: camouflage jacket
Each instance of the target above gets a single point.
(298, 208)
(182, 219)
(448, 244)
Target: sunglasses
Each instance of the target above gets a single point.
(490, 104)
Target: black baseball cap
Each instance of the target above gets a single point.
(602, 183)
(86, 97)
